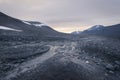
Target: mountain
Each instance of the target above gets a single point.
(112, 31)
(95, 28)
(15, 29)
(107, 31)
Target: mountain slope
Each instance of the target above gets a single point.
(30, 30)
(96, 27)
(107, 31)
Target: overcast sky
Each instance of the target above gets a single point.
(65, 15)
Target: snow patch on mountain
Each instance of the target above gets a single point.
(34, 24)
(26, 22)
(40, 25)
(6, 28)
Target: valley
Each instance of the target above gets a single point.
(31, 50)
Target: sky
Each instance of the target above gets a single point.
(65, 15)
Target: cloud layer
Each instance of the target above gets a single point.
(65, 15)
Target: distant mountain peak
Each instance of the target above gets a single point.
(96, 27)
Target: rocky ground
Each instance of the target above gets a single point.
(87, 58)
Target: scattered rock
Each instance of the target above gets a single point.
(111, 72)
(6, 67)
(117, 62)
(106, 74)
(110, 67)
(117, 67)
(87, 62)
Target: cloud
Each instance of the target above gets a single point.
(64, 13)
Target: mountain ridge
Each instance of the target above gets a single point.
(100, 30)
(33, 29)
